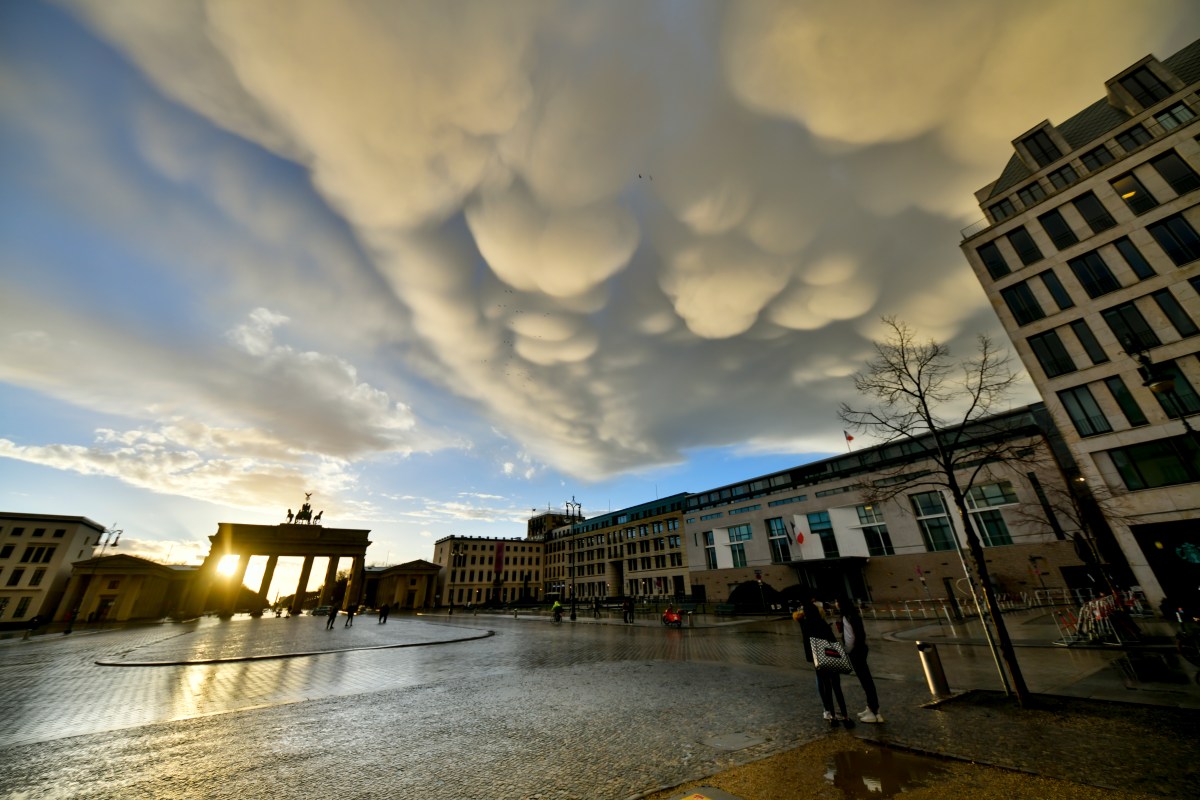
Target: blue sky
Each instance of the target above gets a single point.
(444, 263)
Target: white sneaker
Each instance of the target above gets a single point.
(864, 712)
(871, 718)
(828, 715)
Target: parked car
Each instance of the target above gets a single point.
(321, 611)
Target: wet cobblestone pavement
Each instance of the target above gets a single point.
(595, 709)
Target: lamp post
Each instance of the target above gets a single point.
(574, 512)
(110, 537)
(1161, 384)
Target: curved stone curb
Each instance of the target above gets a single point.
(276, 656)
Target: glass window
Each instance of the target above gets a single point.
(1093, 212)
(1130, 328)
(36, 578)
(1063, 177)
(1182, 398)
(740, 533)
(1085, 414)
(1042, 148)
(1002, 210)
(1133, 257)
(1145, 87)
(875, 532)
(1095, 159)
(1175, 313)
(1135, 195)
(935, 524)
(1021, 302)
(819, 524)
(1173, 117)
(710, 550)
(1031, 194)
(993, 260)
(1027, 249)
(1090, 346)
(991, 494)
(737, 551)
(1129, 407)
(1177, 238)
(1176, 172)
(1165, 462)
(1057, 291)
(14, 577)
(1051, 355)
(1057, 229)
(1093, 274)
(992, 529)
(1133, 138)
(777, 535)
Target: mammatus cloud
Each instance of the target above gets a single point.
(616, 232)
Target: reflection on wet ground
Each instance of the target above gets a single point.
(880, 772)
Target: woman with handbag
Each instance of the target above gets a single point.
(818, 639)
(854, 634)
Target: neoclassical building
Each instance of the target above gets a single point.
(1090, 255)
(36, 553)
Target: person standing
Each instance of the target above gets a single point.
(829, 683)
(854, 636)
(383, 613)
(627, 609)
(596, 608)
(332, 616)
(349, 617)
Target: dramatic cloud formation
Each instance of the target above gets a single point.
(287, 242)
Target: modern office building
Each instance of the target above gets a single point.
(817, 529)
(36, 553)
(1090, 255)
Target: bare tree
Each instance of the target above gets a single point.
(947, 412)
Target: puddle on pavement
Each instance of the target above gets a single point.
(880, 772)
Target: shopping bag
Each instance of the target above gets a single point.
(830, 655)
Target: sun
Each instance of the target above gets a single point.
(228, 565)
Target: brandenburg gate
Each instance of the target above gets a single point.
(307, 539)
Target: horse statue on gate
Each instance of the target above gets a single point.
(304, 514)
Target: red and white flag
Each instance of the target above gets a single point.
(849, 438)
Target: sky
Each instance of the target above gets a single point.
(444, 263)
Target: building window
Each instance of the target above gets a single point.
(991, 494)
(777, 535)
(1182, 399)
(1165, 462)
(1028, 195)
(993, 260)
(1093, 212)
(39, 532)
(991, 527)
(1002, 210)
(710, 550)
(1133, 138)
(1176, 172)
(1135, 195)
(22, 607)
(1095, 159)
(935, 524)
(1088, 340)
(36, 578)
(14, 577)
(1130, 327)
(1063, 177)
(1057, 229)
(6, 551)
(1177, 238)
(1027, 249)
(1021, 302)
(875, 532)
(1093, 274)
(1051, 355)
(1145, 87)
(1173, 117)
(20, 531)
(819, 525)
(1133, 257)
(1057, 291)
(1042, 148)
(1175, 313)
(1129, 407)
(1085, 414)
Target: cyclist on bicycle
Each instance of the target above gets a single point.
(557, 609)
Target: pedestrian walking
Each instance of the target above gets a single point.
(829, 683)
(349, 617)
(383, 613)
(332, 616)
(627, 609)
(596, 608)
(854, 637)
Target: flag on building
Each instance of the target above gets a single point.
(849, 438)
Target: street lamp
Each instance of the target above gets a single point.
(574, 512)
(110, 536)
(1162, 384)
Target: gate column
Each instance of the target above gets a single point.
(264, 588)
(355, 584)
(330, 580)
(302, 585)
(235, 586)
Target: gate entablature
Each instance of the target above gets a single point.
(308, 540)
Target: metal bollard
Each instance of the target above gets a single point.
(935, 676)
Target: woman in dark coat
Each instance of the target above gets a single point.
(829, 683)
(854, 637)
